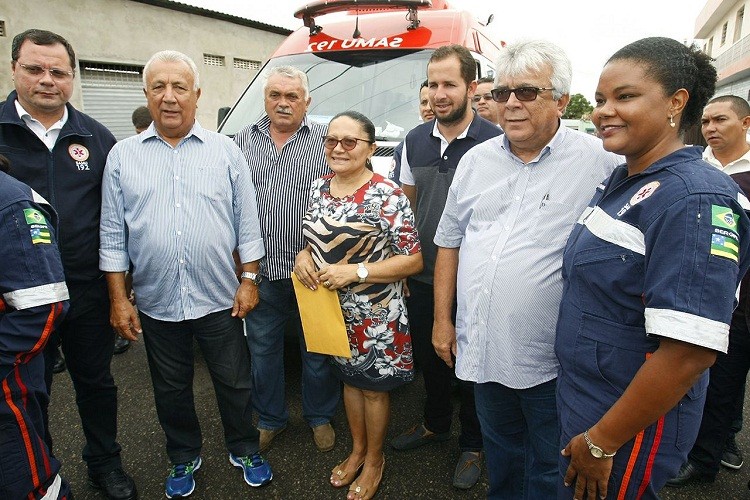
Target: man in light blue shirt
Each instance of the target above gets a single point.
(511, 205)
(177, 202)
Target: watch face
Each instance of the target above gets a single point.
(362, 272)
(597, 452)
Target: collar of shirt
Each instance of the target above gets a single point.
(197, 131)
(556, 139)
(741, 164)
(47, 135)
(443, 142)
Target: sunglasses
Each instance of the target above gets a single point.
(348, 143)
(55, 73)
(479, 97)
(522, 93)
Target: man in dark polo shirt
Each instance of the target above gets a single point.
(431, 153)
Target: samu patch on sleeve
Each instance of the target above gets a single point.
(723, 217)
(37, 226)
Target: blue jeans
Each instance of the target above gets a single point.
(169, 348)
(521, 436)
(265, 326)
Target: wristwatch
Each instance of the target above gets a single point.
(362, 272)
(254, 278)
(596, 452)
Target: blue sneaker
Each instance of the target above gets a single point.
(257, 470)
(180, 482)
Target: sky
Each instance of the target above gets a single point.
(588, 30)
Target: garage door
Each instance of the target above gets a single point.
(110, 94)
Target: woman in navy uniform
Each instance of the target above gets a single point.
(33, 301)
(650, 271)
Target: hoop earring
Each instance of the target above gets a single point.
(671, 121)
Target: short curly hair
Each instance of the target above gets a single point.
(675, 66)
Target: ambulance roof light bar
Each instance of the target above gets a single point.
(309, 11)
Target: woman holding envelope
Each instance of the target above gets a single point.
(362, 242)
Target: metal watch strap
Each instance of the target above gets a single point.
(253, 277)
(596, 451)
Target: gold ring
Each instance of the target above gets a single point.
(327, 284)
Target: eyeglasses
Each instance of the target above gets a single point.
(522, 93)
(486, 97)
(348, 143)
(55, 73)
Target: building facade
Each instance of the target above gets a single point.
(725, 31)
(113, 39)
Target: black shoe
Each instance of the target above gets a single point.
(117, 485)
(121, 345)
(58, 366)
(732, 456)
(418, 436)
(688, 474)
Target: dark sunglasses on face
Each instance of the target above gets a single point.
(479, 97)
(522, 93)
(348, 143)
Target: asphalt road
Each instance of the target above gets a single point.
(300, 471)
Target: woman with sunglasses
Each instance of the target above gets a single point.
(362, 242)
(650, 273)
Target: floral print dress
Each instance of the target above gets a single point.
(371, 225)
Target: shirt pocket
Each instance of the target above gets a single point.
(211, 183)
(553, 222)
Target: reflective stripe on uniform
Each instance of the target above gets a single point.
(614, 231)
(26, 298)
(687, 327)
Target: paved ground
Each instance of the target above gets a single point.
(300, 471)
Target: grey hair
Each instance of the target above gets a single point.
(289, 72)
(533, 55)
(172, 56)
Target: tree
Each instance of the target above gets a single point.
(578, 107)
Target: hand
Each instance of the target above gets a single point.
(124, 319)
(304, 269)
(407, 292)
(444, 341)
(338, 276)
(245, 299)
(591, 474)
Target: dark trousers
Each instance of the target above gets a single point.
(438, 377)
(169, 347)
(88, 342)
(727, 380)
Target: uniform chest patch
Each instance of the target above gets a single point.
(643, 193)
(37, 226)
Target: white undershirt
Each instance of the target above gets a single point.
(47, 135)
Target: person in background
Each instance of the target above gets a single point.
(426, 114)
(724, 125)
(511, 204)
(650, 272)
(485, 106)
(361, 241)
(431, 154)
(60, 153)
(177, 202)
(141, 119)
(33, 302)
(285, 152)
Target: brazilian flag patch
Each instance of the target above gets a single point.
(37, 226)
(724, 218)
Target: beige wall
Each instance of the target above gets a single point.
(125, 32)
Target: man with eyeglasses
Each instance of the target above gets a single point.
(60, 152)
(285, 152)
(513, 202)
(484, 104)
(431, 153)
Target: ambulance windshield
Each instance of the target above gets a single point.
(381, 84)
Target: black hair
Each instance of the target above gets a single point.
(486, 79)
(41, 37)
(4, 164)
(468, 64)
(424, 85)
(141, 117)
(675, 66)
(739, 105)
